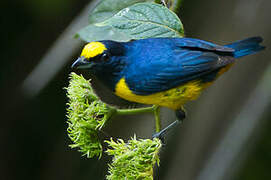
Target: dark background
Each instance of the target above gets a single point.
(33, 138)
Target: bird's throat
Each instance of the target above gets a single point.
(109, 79)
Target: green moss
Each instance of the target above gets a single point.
(86, 115)
(134, 160)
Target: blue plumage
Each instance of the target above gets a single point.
(159, 64)
(163, 63)
(164, 72)
(246, 47)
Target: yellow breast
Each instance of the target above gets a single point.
(172, 98)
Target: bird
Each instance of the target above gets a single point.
(166, 72)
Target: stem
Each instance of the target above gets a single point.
(153, 109)
(157, 119)
(175, 5)
(164, 2)
(135, 111)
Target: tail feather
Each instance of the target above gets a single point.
(246, 47)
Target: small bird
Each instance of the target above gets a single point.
(166, 72)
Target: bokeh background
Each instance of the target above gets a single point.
(225, 136)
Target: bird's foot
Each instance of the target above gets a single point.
(180, 114)
(161, 135)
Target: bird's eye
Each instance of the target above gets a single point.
(105, 56)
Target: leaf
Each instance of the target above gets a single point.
(146, 20)
(95, 33)
(104, 10)
(107, 8)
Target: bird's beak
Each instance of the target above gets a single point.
(81, 63)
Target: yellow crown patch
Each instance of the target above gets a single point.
(93, 49)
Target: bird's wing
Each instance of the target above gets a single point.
(189, 61)
(197, 44)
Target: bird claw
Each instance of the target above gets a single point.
(160, 136)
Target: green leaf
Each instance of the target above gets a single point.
(94, 33)
(104, 10)
(107, 8)
(146, 20)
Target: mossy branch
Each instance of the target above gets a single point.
(87, 114)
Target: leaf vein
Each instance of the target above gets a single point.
(154, 23)
(139, 12)
(145, 30)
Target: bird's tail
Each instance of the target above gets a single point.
(246, 47)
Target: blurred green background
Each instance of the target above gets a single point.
(33, 139)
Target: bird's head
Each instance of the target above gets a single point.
(100, 56)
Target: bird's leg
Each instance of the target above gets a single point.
(180, 115)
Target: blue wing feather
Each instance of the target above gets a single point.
(200, 44)
(176, 61)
